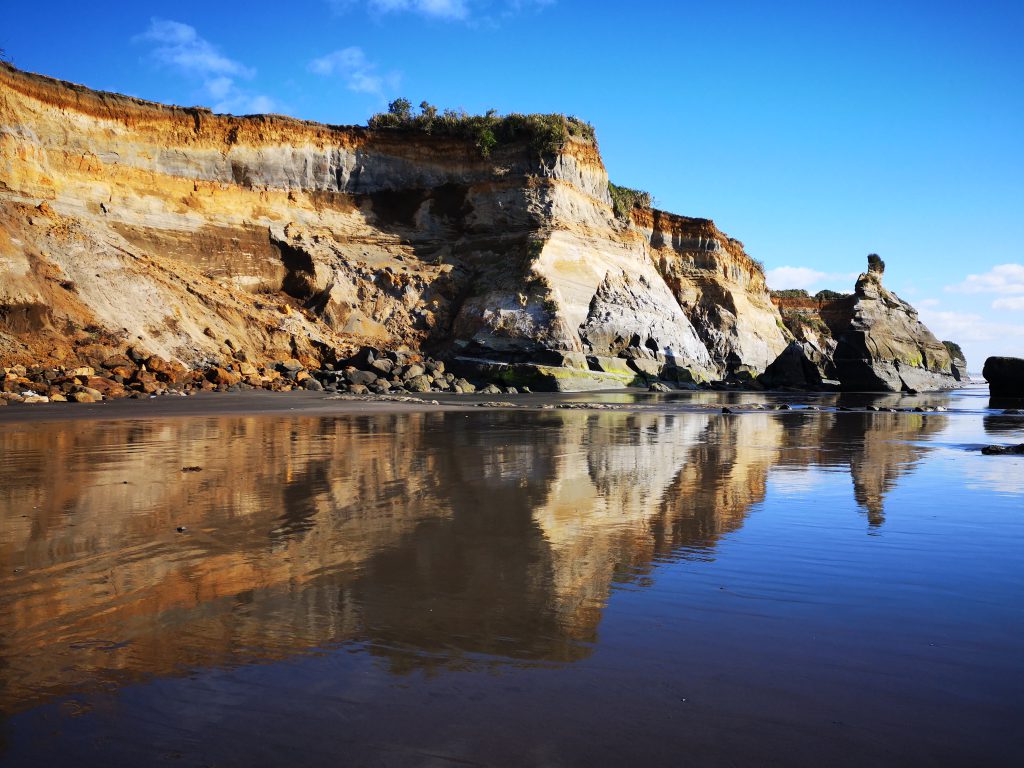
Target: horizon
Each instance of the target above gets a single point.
(799, 125)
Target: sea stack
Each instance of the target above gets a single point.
(868, 340)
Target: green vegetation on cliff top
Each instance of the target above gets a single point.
(625, 199)
(544, 133)
(800, 293)
(954, 349)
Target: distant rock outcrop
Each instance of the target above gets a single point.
(884, 345)
(870, 340)
(959, 362)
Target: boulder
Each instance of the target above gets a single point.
(412, 371)
(117, 361)
(382, 366)
(222, 377)
(1005, 376)
(421, 383)
(364, 358)
(106, 387)
(792, 368)
(366, 378)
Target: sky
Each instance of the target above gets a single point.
(814, 132)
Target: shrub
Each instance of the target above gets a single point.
(791, 293)
(544, 133)
(401, 109)
(954, 349)
(624, 199)
(827, 295)
(875, 263)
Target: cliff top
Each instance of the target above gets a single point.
(544, 133)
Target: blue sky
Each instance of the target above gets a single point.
(814, 132)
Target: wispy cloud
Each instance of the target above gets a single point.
(1004, 278)
(447, 10)
(357, 72)
(180, 48)
(1013, 303)
(804, 277)
(970, 327)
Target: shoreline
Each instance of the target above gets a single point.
(262, 402)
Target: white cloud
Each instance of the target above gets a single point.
(219, 87)
(441, 9)
(180, 47)
(781, 278)
(968, 326)
(352, 66)
(448, 10)
(240, 103)
(1004, 278)
(1015, 303)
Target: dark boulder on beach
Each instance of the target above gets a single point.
(1005, 376)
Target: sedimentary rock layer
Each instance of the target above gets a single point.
(174, 229)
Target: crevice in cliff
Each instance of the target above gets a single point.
(300, 277)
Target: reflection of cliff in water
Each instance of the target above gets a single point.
(878, 449)
(433, 539)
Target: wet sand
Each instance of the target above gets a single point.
(400, 584)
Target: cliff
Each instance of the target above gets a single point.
(177, 230)
(213, 240)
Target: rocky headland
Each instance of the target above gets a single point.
(147, 248)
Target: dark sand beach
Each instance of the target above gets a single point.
(266, 579)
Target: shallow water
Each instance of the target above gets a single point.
(660, 586)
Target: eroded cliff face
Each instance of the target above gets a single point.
(125, 222)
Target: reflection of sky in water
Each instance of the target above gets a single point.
(794, 481)
(1001, 478)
